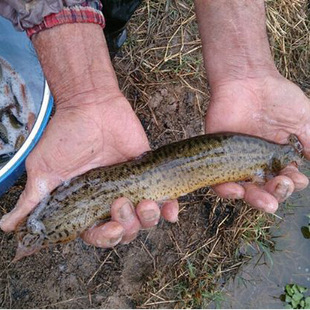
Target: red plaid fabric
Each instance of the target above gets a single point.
(69, 15)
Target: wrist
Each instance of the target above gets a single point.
(93, 88)
(76, 63)
(234, 40)
(255, 82)
(222, 70)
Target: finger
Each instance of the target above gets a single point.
(34, 192)
(148, 213)
(24, 206)
(123, 212)
(106, 235)
(299, 179)
(170, 211)
(281, 187)
(229, 190)
(259, 199)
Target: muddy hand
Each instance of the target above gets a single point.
(248, 95)
(127, 220)
(76, 141)
(271, 108)
(94, 125)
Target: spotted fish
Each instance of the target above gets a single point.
(166, 173)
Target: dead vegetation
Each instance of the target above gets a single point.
(184, 265)
(288, 24)
(161, 65)
(209, 258)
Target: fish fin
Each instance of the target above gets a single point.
(259, 180)
(261, 177)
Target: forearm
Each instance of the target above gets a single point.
(234, 39)
(76, 63)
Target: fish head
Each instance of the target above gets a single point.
(292, 152)
(29, 242)
(288, 154)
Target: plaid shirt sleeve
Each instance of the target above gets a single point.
(69, 15)
(28, 14)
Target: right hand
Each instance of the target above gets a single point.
(80, 138)
(272, 108)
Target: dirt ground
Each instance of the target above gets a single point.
(181, 265)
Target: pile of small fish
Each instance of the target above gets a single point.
(16, 117)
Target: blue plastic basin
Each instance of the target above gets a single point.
(17, 50)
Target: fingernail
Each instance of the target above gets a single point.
(112, 241)
(282, 191)
(115, 241)
(149, 215)
(126, 212)
(271, 208)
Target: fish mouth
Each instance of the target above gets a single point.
(29, 242)
(23, 251)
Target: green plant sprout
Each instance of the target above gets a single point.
(295, 297)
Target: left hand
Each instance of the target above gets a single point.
(102, 132)
(270, 107)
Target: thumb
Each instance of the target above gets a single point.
(35, 190)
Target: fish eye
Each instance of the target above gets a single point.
(29, 240)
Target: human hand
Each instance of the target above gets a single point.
(270, 107)
(94, 125)
(77, 139)
(248, 95)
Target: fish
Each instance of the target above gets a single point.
(163, 174)
(15, 123)
(16, 111)
(16, 104)
(4, 136)
(19, 141)
(4, 158)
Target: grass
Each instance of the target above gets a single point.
(288, 25)
(163, 48)
(196, 278)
